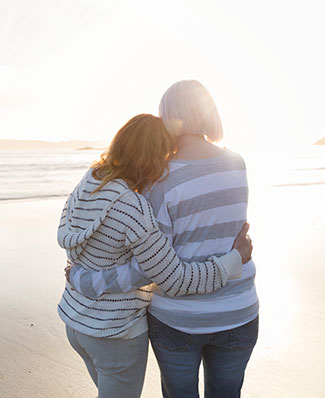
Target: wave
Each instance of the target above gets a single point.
(298, 184)
(311, 169)
(35, 197)
(31, 167)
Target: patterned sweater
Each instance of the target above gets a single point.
(102, 231)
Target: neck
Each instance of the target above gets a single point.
(189, 139)
(193, 147)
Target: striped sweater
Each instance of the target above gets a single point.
(102, 231)
(201, 207)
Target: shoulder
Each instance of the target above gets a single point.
(234, 158)
(136, 208)
(232, 154)
(133, 200)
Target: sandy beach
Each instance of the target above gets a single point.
(287, 227)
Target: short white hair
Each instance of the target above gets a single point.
(188, 108)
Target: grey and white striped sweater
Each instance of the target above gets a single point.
(103, 231)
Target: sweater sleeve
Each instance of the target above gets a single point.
(160, 263)
(129, 277)
(122, 279)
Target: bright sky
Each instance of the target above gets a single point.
(79, 69)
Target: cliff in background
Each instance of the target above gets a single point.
(320, 142)
(12, 145)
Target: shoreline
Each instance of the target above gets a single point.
(33, 199)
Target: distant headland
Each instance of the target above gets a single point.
(88, 148)
(12, 145)
(320, 142)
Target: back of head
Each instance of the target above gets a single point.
(188, 108)
(138, 153)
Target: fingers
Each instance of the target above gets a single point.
(67, 270)
(244, 229)
(249, 240)
(243, 243)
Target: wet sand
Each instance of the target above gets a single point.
(287, 227)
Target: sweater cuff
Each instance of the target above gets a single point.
(232, 263)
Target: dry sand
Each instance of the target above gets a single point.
(289, 251)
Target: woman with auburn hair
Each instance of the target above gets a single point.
(139, 154)
(105, 222)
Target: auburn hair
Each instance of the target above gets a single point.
(139, 154)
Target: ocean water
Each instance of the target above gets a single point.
(46, 174)
(42, 174)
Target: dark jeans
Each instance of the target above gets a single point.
(224, 354)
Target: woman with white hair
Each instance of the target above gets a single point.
(202, 202)
(201, 207)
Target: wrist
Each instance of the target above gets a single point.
(232, 263)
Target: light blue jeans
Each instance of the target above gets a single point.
(225, 356)
(117, 366)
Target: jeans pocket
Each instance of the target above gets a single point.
(167, 338)
(244, 336)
